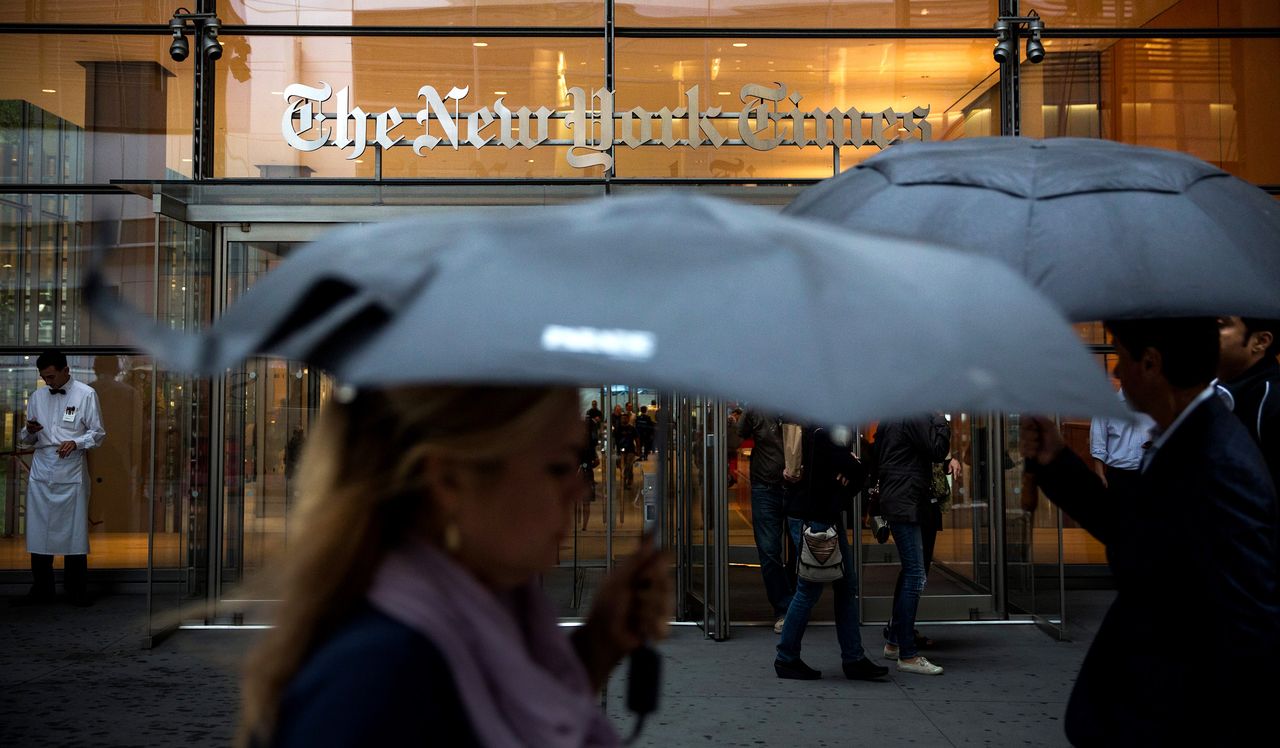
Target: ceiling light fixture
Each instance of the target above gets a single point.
(479, 44)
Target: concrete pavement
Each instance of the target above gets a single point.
(77, 677)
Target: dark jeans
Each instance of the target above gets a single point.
(906, 535)
(930, 526)
(74, 578)
(848, 630)
(768, 522)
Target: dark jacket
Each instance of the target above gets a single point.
(1188, 651)
(766, 455)
(375, 682)
(1255, 396)
(625, 439)
(905, 453)
(818, 496)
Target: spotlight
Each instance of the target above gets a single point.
(1006, 45)
(178, 50)
(1035, 48)
(210, 47)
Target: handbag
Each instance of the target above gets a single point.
(820, 557)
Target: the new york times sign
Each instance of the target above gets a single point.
(770, 117)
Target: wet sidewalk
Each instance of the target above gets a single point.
(77, 676)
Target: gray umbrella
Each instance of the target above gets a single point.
(677, 292)
(1104, 229)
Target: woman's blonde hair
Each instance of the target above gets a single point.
(363, 486)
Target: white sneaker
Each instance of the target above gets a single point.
(890, 652)
(921, 666)
(777, 625)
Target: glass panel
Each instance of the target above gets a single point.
(1212, 98)
(947, 76)
(98, 12)
(1032, 552)
(963, 547)
(915, 14)
(44, 251)
(89, 109)
(1159, 13)
(270, 406)
(382, 73)
(130, 493)
(413, 13)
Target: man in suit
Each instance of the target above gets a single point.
(1188, 650)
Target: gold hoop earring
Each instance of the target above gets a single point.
(452, 537)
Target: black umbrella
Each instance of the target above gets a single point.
(1104, 229)
(676, 292)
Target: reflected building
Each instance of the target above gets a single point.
(203, 174)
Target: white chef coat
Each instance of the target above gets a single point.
(58, 489)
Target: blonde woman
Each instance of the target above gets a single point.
(412, 611)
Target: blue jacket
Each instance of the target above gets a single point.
(1188, 651)
(376, 682)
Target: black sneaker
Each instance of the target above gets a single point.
(864, 669)
(796, 670)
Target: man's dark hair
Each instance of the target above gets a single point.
(1188, 346)
(1262, 324)
(52, 357)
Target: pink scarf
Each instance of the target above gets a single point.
(517, 676)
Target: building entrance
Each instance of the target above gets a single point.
(986, 565)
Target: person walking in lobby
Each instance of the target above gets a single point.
(819, 501)
(906, 451)
(769, 508)
(64, 421)
(1202, 531)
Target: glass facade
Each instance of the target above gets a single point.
(203, 175)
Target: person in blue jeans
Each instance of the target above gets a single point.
(830, 476)
(905, 453)
(769, 508)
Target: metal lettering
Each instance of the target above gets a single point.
(435, 105)
(755, 96)
(583, 126)
(770, 117)
(356, 117)
(307, 117)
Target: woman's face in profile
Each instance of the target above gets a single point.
(514, 523)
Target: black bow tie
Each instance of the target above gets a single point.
(57, 391)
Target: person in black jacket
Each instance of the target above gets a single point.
(905, 453)
(819, 501)
(1249, 377)
(1200, 537)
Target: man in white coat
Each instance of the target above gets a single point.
(63, 422)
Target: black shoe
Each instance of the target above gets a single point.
(864, 669)
(796, 670)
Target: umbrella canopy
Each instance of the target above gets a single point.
(1106, 230)
(685, 293)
